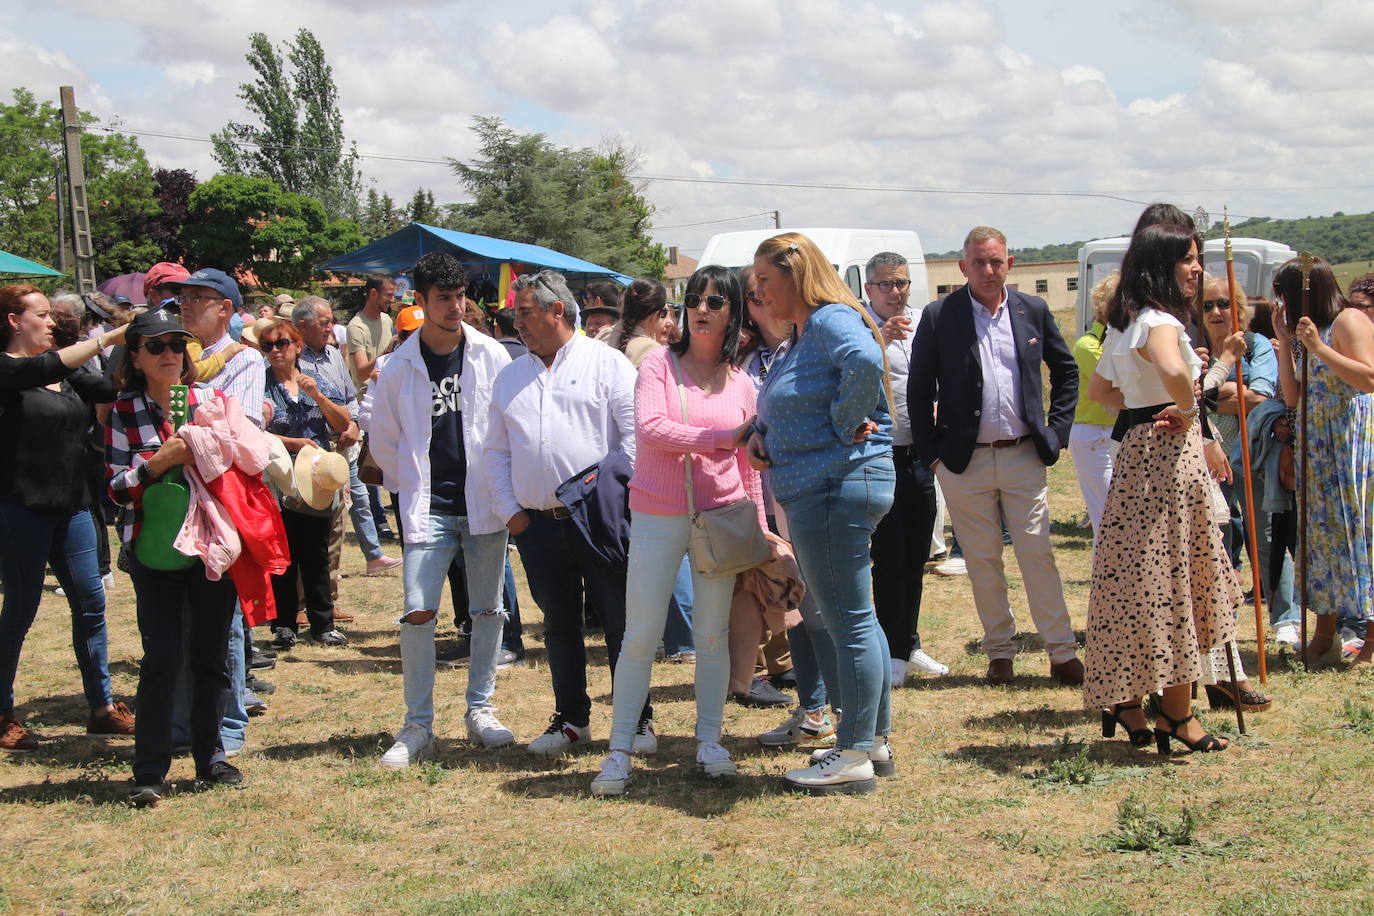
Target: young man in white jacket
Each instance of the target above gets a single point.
(430, 410)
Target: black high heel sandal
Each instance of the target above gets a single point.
(1205, 745)
(1111, 718)
(1223, 695)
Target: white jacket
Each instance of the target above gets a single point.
(399, 424)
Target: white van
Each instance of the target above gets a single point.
(1257, 260)
(847, 249)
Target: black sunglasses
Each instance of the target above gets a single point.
(155, 347)
(1215, 304)
(280, 343)
(714, 303)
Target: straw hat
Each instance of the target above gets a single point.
(253, 332)
(319, 475)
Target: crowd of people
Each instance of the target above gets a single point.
(643, 461)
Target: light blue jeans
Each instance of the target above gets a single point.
(834, 526)
(657, 546)
(360, 512)
(424, 575)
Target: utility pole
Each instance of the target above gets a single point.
(61, 221)
(76, 194)
(777, 220)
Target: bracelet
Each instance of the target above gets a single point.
(1189, 414)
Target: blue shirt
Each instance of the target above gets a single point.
(816, 395)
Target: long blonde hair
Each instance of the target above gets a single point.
(818, 284)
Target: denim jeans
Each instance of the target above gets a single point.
(657, 546)
(159, 597)
(901, 546)
(374, 505)
(424, 574)
(813, 654)
(360, 511)
(832, 548)
(29, 541)
(677, 630)
(556, 560)
(234, 725)
(512, 638)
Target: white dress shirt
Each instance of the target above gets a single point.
(243, 377)
(1001, 416)
(898, 369)
(548, 423)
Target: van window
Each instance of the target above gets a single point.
(854, 279)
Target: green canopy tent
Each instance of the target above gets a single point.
(11, 265)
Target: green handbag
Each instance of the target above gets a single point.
(165, 504)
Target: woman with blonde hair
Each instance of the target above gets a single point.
(825, 432)
(1090, 440)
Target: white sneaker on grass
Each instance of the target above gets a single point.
(714, 761)
(954, 566)
(925, 664)
(483, 726)
(882, 756)
(801, 728)
(413, 744)
(645, 740)
(559, 737)
(837, 772)
(614, 777)
(1286, 634)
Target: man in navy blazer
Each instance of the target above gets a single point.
(978, 418)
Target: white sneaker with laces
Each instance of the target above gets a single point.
(413, 744)
(898, 672)
(714, 761)
(483, 726)
(614, 777)
(925, 664)
(645, 740)
(954, 566)
(837, 772)
(882, 756)
(801, 728)
(559, 737)
(1287, 634)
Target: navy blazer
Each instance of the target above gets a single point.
(945, 370)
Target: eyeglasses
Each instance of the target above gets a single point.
(1215, 304)
(280, 343)
(714, 303)
(888, 286)
(196, 300)
(155, 347)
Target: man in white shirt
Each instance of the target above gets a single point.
(901, 542)
(554, 412)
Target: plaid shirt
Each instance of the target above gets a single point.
(134, 435)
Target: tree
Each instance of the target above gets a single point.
(172, 188)
(422, 208)
(298, 139)
(241, 222)
(119, 188)
(581, 202)
(380, 216)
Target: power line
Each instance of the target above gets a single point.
(711, 222)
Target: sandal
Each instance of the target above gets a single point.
(1223, 694)
(1205, 745)
(1111, 718)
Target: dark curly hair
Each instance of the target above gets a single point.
(643, 298)
(439, 269)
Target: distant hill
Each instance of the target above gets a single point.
(1338, 238)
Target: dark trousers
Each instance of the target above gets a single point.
(158, 597)
(555, 558)
(308, 538)
(900, 548)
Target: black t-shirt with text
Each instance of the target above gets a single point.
(448, 465)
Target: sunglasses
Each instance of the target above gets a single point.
(714, 303)
(668, 312)
(156, 347)
(1215, 304)
(280, 343)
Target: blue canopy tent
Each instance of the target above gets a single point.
(398, 252)
(11, 265)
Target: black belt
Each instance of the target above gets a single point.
(559, 513)
(1001, 443)
(1134, 416)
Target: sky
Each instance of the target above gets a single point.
(880, 114)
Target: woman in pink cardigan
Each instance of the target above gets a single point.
(720, 412)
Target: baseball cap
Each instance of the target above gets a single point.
(154, 322)
(160, 274)
(410, 318)
(214, 279)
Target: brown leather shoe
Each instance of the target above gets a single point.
(118, 721)
(341, 617)
(14, 736)
(999, 671)
(1069, 673)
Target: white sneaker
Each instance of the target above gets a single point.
(714, 761)
(558, 737)
(847, 772)
(614, 777)
(925, 664)
(60, 592)
(801, 728)
(107, 580)
(483, 726)
(882, 757)
(1287, 634)
(954, 566)
(413, 744)
(645, 740)
(898, 672)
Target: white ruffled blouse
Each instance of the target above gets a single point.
(1123, 365)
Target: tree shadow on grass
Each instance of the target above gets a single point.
(92, 787)
(1014, 759)
(344, 746)
(1041, 717)
(678, 787)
